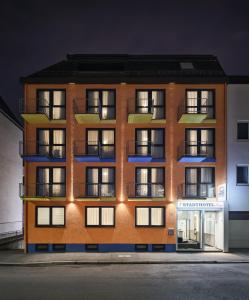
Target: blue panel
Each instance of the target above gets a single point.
(189, 159)
(39, 158)
(88, 158)
(75, 248)
(116, 247)
(31, 248)
(170, 248)
(136, 158)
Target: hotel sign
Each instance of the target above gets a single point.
(199, 205)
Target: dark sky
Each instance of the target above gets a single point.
(35, 34)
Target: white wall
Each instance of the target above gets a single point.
(237, 153)
(10, 176)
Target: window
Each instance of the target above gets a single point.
(50, 216)
(199, 142)
(151, 101)
(186, 66)
(149, 182)
(100, 216)
(101, 102)
(51, 182)
(200, 102)
(150, 216)
(150, 142)
(199, 182)
(101, 142)
(242, 130)
(242, 175)
(100, 182)
(52, 103)
(51, 142)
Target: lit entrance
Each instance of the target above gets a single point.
(200, 229)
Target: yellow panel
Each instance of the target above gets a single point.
(43, 198)
(192, 118)
(162, 121)
(146, 199)
(87, 118)
(58, 121)
(96, 199)
(35, 118)
(139, 118)
(209, 121)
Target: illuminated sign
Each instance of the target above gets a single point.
(199, 205)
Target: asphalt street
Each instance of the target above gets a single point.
(125, 282)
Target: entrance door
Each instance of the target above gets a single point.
(213, 231)
(189, 230)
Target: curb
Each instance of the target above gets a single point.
(65, 263)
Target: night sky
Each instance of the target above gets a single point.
(35, 34)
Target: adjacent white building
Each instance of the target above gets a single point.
(238, 160)
(11, 215)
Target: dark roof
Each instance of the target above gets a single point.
(9, 114)
(238, 79)
(117, 68)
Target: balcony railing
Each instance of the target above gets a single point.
(195, 149)
(145, 190)
(42, 190)
(94, 190)
(198, 191)
(139, 150)
(33, 150)
(194, 114)
(86, 149)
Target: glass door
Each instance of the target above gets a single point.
(213, 231)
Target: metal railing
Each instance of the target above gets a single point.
(42, 190)
(34, 148)
(94, 190)
(145, 190)
(94, 148)
(195, 148)
(194, 190)
(142, 149)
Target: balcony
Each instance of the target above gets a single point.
(145, 192)
(32, 151)
(196, 152)
(196, 191)
(95, 192)
(42, 191)
(195, 114)
(138, 151)
(34, 114)
(145, 114)
(85, 151)
(96, 114)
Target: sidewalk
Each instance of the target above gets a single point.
(18, 258)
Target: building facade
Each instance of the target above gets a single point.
(11, 218)
(125, 153)
(238, 160)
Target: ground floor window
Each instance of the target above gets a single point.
(150, 216)
(50, 216)
(100, 216)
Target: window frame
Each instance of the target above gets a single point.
(100, 101)
(51, 179)
(100, 216)
(100, 131)
(242, 184)
(198, 184)
(149, 183)
(237, 131)
(199, 106)
(150, 107)
(51, 145)
(50, 216)
(199, 140)
(51, 102)
(151, 226)
(100, 177)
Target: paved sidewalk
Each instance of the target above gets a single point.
(18, 258)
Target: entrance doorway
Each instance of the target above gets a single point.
(213, 231)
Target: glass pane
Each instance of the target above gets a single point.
(108, 113)
(58, 113)
(142, 175)
(157, 216)
(58, 137)
(108, 98)
(206, 175)
(142, 216)
(43, 142)
(107, 137)
(157, 136)
(191, 175)
(157, 175)
(107, 216)
(142, 101)
(242, 175)
(243, 131)
(157, 98)
(43, 98)
(43, 216)
(107, 175)
(58, 216)
(93, 98)
(92, 175)
(192, 99)
(157, 113)
(107, 190)
(58, 175)
(59, 97)
(92, 215)
(43, 175)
